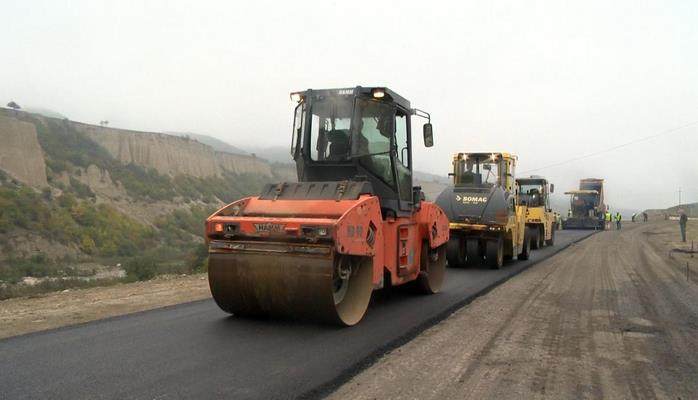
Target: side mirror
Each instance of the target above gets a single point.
(417, 197)
(552, 188)
(428, 135)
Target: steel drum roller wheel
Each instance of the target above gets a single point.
(352, 288)
(551, 242)
(334, 288)
(432, 269)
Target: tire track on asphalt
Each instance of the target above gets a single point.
(640, 380)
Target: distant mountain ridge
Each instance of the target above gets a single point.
(691, 209)
(44, 111)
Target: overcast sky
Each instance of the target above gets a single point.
(547, 80)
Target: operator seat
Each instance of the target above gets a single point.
(339, 144)
(534, 196)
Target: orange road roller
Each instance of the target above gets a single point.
(317, 248)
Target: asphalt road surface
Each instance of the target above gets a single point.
(194, 350)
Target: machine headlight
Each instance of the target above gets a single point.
(316, 231)
(378, 93)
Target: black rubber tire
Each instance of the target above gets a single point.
(495, 253)
(534, 234)
(526, 251)
(541, 237)
(551, 242)
(455, 252)
(508, 249)
(432, 269)
(472, 251)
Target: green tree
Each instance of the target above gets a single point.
(87, 245)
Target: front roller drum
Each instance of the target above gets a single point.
(334, 288)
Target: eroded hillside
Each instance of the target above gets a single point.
(80, 203)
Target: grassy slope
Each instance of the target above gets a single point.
(100, 231)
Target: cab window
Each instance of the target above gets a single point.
(329, 129)
(402, 155)
(374, 124)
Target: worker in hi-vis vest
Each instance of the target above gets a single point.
(608, 219)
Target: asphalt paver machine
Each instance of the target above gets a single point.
(587, 207)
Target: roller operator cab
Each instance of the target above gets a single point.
(354, 222)
(486, 220)
(534, 194)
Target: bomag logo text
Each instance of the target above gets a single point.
(471, 199)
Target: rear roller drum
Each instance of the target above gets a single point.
(432, 269)
(551, 242)
(352, 288)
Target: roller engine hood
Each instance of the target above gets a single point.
(475, 204)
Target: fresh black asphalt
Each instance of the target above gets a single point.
(196, 351)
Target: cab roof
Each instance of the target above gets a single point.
(582, 192)
(591, 180)
(358, 91)
(533, 178)
(486, 154)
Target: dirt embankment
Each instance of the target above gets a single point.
(171, 155)
(611, 317)
(53, 310)
(20, 152)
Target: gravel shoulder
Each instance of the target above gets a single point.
(611, 317)
(30, 314)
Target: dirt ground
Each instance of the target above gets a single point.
(52, 310)
(611, 317)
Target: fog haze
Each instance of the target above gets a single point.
(547, 80)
